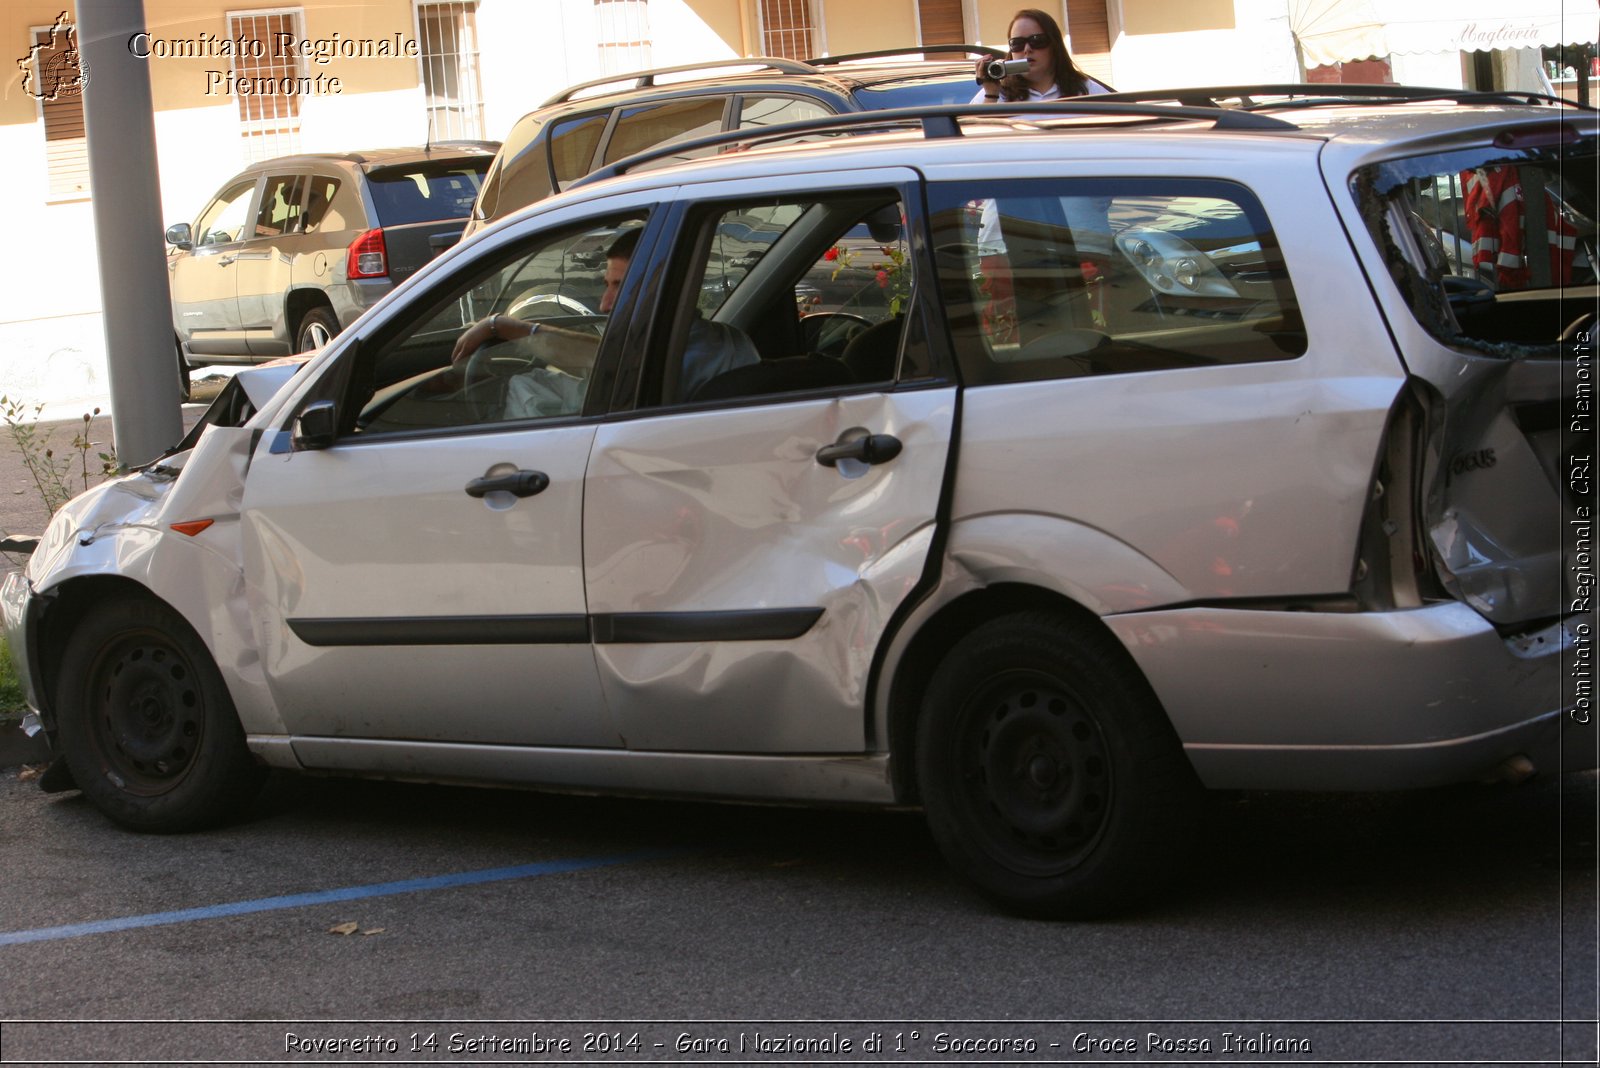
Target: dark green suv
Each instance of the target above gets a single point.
(599, 122)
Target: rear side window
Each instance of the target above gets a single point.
(320, 213)
(653, 125)
(572, 147)
(1498, 246)
(1057, 279)
(520, 173)
(425, 192)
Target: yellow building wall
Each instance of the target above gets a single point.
(849, 26)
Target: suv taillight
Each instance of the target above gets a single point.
(368, 258)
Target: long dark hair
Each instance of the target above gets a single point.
(1069, 79)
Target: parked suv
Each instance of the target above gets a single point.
(291, 250)
(602, 121)
(1172, 457)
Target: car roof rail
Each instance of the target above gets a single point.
(1312, 94)
(644, 79)
(940, 121)
(920, 50)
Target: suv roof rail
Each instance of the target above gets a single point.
(940, 121)
(644, 79)
(920, 50)
(1311, 94)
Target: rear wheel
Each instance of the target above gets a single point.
(317, 328)
(1049, 775)
(147, 727)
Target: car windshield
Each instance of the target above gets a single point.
(426, 192)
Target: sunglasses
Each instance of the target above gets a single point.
(1037, 40)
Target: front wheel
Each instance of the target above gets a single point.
(1049, 774)
(146, 724)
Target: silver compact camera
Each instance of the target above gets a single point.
(1004, 68)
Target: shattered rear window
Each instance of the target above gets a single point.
(1494, 249)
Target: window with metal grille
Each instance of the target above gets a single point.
(56, 83)
(267, 81)
(447, 34)
(788, 29)
(622, 27)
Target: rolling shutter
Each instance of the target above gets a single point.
(1091, 37)
(61, 107)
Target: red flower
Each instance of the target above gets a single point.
(883, 279)
(832, 253)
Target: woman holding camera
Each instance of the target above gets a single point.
(1036, 38)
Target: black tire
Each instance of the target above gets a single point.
(1050, 776)
(316, 329)
(148, 729)
(185, 390)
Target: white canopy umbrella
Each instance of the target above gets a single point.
(1334, 31)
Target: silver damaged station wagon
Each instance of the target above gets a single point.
(1036, 465)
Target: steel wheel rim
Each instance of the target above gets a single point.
(146, 715)
(1035, 772)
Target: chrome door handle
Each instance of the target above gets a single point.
(858, 443)
(518, 483)
(225, 260)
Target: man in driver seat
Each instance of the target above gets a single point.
(568, 355)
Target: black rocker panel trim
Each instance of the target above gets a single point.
(743, 625)
(756, 624)
(444, 630)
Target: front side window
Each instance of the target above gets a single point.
(1055, 279)
(424, 375)
(224, 221)
(787, 294)
(1491, 239)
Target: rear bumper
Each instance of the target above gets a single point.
(1361, 700)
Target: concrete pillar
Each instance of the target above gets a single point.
(125, 190)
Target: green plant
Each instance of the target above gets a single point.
(11, 698)
(892, 273)
(52, 475)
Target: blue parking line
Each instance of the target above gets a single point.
(323, 897)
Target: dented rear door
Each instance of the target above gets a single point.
(1487, 253)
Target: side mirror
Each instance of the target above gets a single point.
(314, 427)
(178, 234)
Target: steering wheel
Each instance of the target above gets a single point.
(1583, 324)
(828, 333)
(484, 379)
